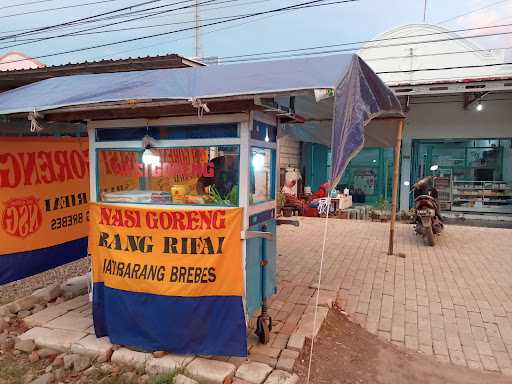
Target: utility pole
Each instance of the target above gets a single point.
(425, 12)
(198, 48)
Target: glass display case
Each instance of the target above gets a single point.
(204, 175)
(482, 196)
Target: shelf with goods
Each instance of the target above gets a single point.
(482, 196)
(443, 185)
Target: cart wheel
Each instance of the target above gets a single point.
(262, 330)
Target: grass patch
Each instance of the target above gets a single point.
(11, 374)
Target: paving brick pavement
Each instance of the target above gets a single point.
(453, 300)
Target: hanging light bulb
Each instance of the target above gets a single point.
(149, 157)
(479, 106)
(267, 139)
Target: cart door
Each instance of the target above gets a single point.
(261, 281)
(261, 250)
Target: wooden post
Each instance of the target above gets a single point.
(396, 170)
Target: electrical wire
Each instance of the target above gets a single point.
(176, 31)
(144, 16)
(69, 34)
(360, 42)
(238, 25)
(87, 31)
(473, 11)
(254, 57)
(84, 18)
(27, 3)
(56, 8)
(444, 68)
(205, 8)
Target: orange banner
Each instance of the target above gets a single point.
(44, 188)
(169, 252)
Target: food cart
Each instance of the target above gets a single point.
(195, 163)
(183, 170)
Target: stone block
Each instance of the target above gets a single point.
(45, 353)
(127, 357)
(289, 354)
(307, 321)
(58, 339)
(23, 314)
(24, 304)
(285, 364)
(210, 371)
(253, 372)
(93, 347)
(166, 364)
(262, 349)
(25, 345)
(182, 379)
(278, 377)
(76, 286)
(48, 293)
(272, 361)
(296, 342)
(70, 322)
(238, 380)
(47, 378)
(75, 303)
(46, 315)
(81, 363)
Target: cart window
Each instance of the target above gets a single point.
(187, 175)
(262, 175)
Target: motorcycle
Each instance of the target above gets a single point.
(428, 220)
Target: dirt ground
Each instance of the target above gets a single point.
(346, 353)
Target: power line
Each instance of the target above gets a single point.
(178, 30)
(144, 16)
(119, 22)
(208, 9)
(27, 3)
(444, 68)
(87, 32)
(361, 42)
(471, 12)
(214, 30)
(56, 8)
(83, 18)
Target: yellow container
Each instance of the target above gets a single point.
(179, 192)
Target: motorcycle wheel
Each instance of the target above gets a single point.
(429, 236)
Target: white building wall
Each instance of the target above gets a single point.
(411, 48)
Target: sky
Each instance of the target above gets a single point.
(348, 22)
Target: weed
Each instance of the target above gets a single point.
(10, 374)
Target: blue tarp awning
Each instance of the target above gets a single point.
(359, 95)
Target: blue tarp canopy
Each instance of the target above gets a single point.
(339, 95)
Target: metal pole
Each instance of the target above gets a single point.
(425, 12)
(396, 168)
(197, 18)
